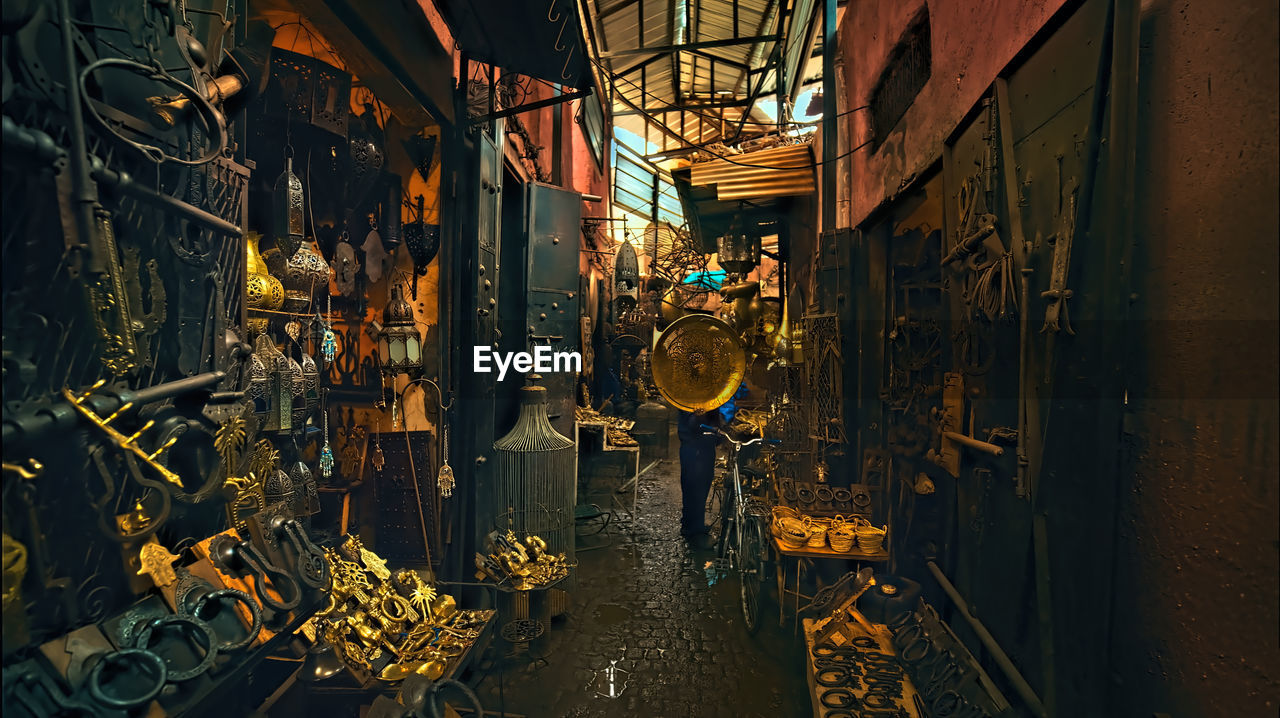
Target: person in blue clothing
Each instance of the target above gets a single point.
(697, 465)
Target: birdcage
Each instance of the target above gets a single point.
(536, 486)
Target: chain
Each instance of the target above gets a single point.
(444, 478)
(326, 452)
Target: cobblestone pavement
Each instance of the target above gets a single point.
(644, 601)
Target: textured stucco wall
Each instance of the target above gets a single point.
(1196, 622)
(972, 40)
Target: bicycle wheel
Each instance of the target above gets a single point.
(715, 504)
(727, 536)
(751, 571)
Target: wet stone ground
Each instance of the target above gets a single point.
(644, 601)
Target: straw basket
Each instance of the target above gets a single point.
(789, 527)
(842, 534)
(870, 538)
(818, 529)
(784, 512)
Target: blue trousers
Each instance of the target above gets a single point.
(697, 466)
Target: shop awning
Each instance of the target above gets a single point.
(538, 39)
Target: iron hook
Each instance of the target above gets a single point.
(439, 393)
(560, 35)
(564, 71)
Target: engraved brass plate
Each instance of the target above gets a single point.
(698, 363)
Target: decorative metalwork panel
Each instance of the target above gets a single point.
(824, 365)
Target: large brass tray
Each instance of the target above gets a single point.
(698, 363)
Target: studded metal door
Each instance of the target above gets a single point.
(475, 419)
(552, 300)
(489, 231)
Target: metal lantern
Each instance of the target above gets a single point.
(288, 223)
(626, 268)
(399, 344)
(301, 274)
(738, 253)
(261, 290)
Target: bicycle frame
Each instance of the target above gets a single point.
(733, 551)
(731, 547)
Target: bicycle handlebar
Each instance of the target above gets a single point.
(713, 430)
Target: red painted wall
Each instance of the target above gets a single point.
(972, 40)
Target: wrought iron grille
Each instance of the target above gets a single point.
(824, 365)
(909, 68)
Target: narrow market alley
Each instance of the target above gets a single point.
(643, 600)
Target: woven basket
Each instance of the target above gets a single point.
(784, 512)
(818, 527)
(791, 542)
(791, 531)
(842, 542)
(842, 534)
(870, 538)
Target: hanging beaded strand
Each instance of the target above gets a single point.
(395, 407)
(377, 459)
(328, 341)
(444, 479)
(326, 453)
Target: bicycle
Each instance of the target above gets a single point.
(741, 546)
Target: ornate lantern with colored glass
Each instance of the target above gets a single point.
(399, 344)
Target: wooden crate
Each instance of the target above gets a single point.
(845, 633)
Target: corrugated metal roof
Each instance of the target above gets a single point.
(774, 172)
(665, 82)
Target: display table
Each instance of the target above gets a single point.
(634, 481)
(349, 683)
(792, 558)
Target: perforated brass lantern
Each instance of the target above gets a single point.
(399, 344)
(698, 363)
(737, 252)
(301, 274)
(288, 224)
(262, 291)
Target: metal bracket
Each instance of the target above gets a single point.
(528, 106)
(1055, 315)
(950, 420)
